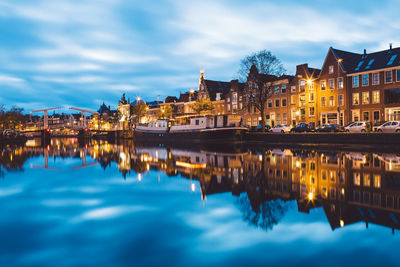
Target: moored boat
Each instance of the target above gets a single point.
(196, 129)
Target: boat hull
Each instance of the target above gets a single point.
(234, 134)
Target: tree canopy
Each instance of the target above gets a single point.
(265, 62)
(165, 112)
(202, 105)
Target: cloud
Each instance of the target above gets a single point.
(68, 49)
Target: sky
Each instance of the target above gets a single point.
(83, 52)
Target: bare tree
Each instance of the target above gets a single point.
(265, 62)
(257, 91)
(259, 69)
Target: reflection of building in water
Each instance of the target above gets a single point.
(351, 187)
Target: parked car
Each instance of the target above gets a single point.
(301, 128)
(267, 128)
(329, 128)
(281, 128)
(357, 127)
(377, 124)
(389, 127)
(321, 128)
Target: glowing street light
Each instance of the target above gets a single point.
(310, 196)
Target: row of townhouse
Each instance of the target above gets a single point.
(349, 87)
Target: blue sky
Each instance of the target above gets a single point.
(81, 53)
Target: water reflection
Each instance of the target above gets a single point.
(350, 186)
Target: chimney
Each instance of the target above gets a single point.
(365, 52)
(390, 46)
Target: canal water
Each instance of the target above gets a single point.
(102, 204)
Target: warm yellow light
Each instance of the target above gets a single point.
(309, 81)
(341, 223)
(340, 60)
(297, 113)
(297, 164)
(138, 98)
(190, 165)
(191, 91)
(193, 187)
(310, 196)
(139, 177)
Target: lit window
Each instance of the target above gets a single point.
(302, 99)
(311, 97)
(356, 99)
(331, 69)
(331, 84)
(234, 98)
(323, 101)
(312, 111)
(375, 78)
(392, 59)
(388, 76)
(293, 89)
(340, 82)
(375, 97)
(365, 97)
(302, 84)
(355, 81)
(292, 99)
(323, 85)
(357, 179)
(377, 181)
(365, 80)
(331, 100)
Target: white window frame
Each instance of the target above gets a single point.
(362, 80)
(293, 99)
(338, 82)
(331, 69)
(329, 101)
(375, 82)
(309, 113)
(323, 82)
(352, 99)
(322, 102)
(284, 98)
(362, 98)
(391, 77)
(309, 97)
(342, 102)
(373, 97)
(358, 81)
(333, 84)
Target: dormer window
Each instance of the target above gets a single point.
(218, 96)
(331, 69)
(359, 65)
(392, 59)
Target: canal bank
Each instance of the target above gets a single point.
(326, 138)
